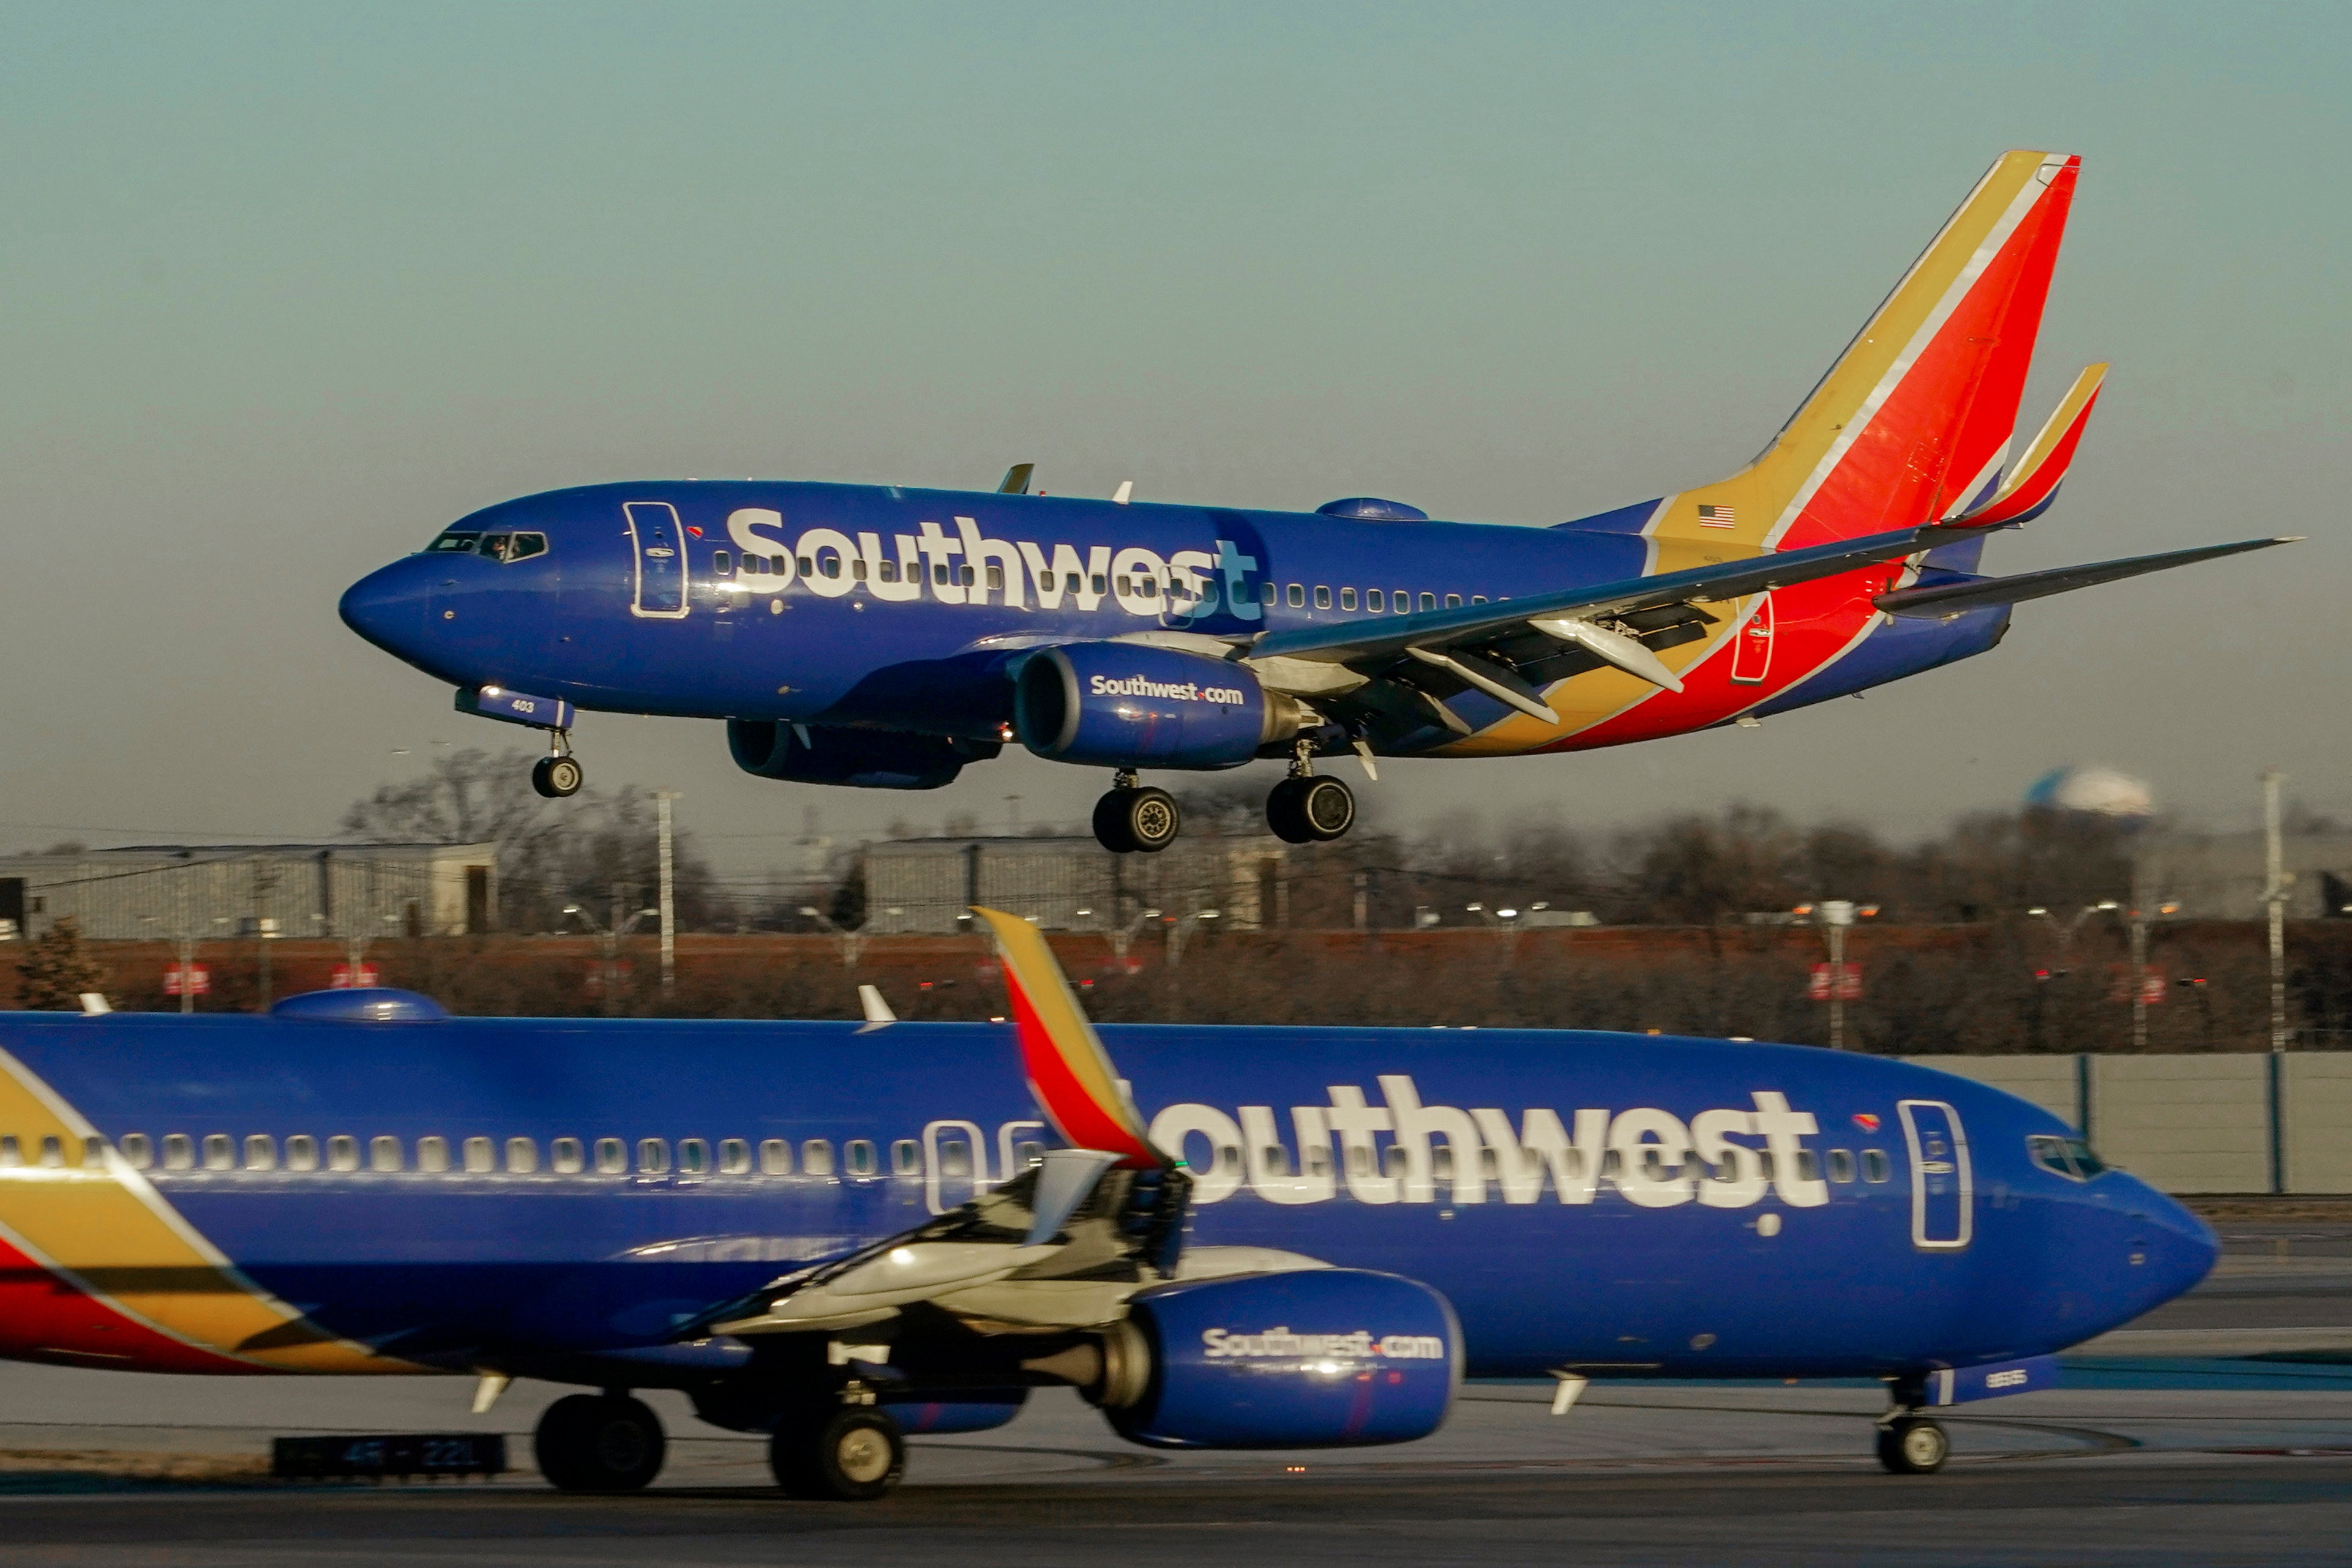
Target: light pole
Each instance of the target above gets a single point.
(1180, 927)
(1506, 923)
(851, 942)
(2274, 885)
(612, 935)
(1121, 935)
(669, 904)
(2067, 929)
(2139, 922)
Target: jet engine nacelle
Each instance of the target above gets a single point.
(864, 759)
(1129, 705)
(1323, 1358)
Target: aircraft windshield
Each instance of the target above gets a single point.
(2068, 1158)
(456, 539)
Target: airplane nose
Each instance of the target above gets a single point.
(387, 608)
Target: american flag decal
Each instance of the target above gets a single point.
(1715, 517)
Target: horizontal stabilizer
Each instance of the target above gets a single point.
(2033, 484)
(1941, 601)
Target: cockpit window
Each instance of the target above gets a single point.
(523, 547)
(460, 540)
(2068, 1158)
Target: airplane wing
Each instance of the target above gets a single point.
(1941, 601)
(1064, 1244)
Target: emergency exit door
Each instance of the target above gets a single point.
(1942, 1196)
(660, 546)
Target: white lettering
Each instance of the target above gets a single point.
(903, 581)
(1416, 1123)
(1520, 1161)
(828, 553)
(1742, 1182)
(1271, 1173)
(1359, 1152)
(945, 577)
(1651, 1146)
(1217, 1178)
(1136, 567)
(980, 554)
(1218, 1344)
(743, 525)
(1235, 567)
(1781, 1128)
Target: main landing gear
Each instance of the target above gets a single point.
(1912, 1444)
(599, 1443)
(558, 774)
(1305, 809)
(1133, 817)
(852, 1453)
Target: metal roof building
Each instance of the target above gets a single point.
(169, 891)
(1068, 883)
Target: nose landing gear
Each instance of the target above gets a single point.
(1132, 818)
(1305, 809)
(558, 774)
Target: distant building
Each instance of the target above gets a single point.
(2221, 876)
(166, 891)
(1071, 884)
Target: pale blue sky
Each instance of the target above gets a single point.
(286, 287)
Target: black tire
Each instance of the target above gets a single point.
(854, 1454)
(599, 1443)
(557, 777)
(1153, 818)
(1110, 822)
(1913, 1446)
(1326, 806)
(1285, 813)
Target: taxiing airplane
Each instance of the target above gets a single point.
(887, 637)
(836, 1234)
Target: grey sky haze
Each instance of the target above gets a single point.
(288, 287)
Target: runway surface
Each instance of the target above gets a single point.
(2199, 1457)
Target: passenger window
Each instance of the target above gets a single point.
(858, 1157)
(806, 566)
(1322, 597)
(479, 1156)
(53, 1153)
(857, 568)
(693, 1157)
(260, 1153)
(569, 1158)
(383, 1154)
(1478, 599)
(1392, 1161)
(12, 1153)
(996, 577)
(93, 1154)
(905, 1156)
(1453, 601)
(1401, 601)
(611, 1157)
(522, 1156)
(723, 565)
(1298, 595)
(890, 572)
(1346, 599)
(137, 1154)
(220, 1152)
(1098, 582)
(1809, 1165)
(1229, 1159)
(433, 1155)
(301, 1152)
(775, 1157)
(1375, 600)
(342, 1153)
(1429, 602)
(1359, 1160)
(653, 1156)
(525, 546)
(816, 1157)
(1266, 592)
(734, 1157)
(1147, 587)
(955, 1158)
(966, 576)
(1441, 1161)
(1841, 1165)
(1070, 584)
(1874, 1164)
(1126, 586)
(1317, 1162)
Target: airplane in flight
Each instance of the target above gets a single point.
(887, 637)
(837, 1234)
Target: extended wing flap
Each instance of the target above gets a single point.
(1936, 602)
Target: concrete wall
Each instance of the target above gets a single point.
(2185, 1123)
(2053, 1082)
(2315, 1120)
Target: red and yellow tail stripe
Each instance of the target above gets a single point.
(130, 1280)
(2033, 484)
(1069, 1070)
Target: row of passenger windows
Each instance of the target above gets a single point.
(515, 1156)
(829, 565)
(1841, 1164)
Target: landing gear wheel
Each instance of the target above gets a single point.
(599, 1443)
(1110, 822)
(1913, 1446)
(557, 777)
(1305, 810)
(854, 1454)
(1130, 820)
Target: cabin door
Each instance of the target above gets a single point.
(1751, 647)
(1942, 1199)
(660, 546)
